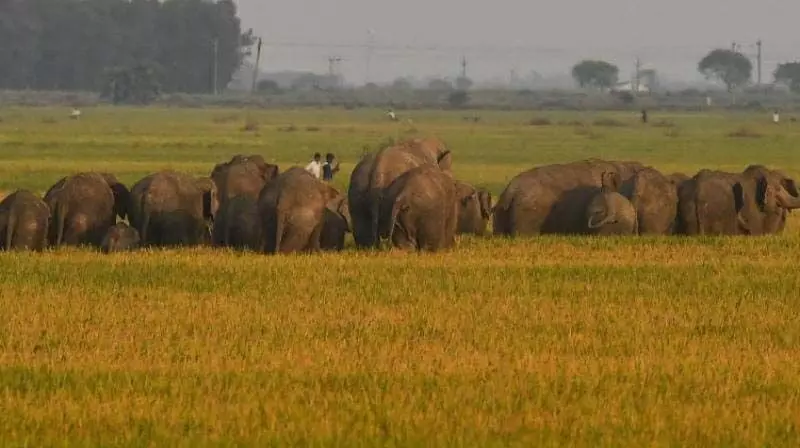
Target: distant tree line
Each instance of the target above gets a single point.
(127, 48)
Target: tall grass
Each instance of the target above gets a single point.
(532, 342)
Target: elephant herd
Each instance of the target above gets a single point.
(607, 197)
(405, 194)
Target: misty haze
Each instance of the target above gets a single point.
(423, 38)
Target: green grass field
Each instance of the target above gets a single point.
(539, 342)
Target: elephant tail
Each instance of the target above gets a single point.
(375, 213)
(278, 231)
(60, 221)
(145, 219)
(397, 207)
(10, 226)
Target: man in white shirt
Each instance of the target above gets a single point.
(315, 167)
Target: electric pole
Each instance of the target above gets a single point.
(332, 61)
(255, 67)
(638, 75)
(758, 45)
(464, 67)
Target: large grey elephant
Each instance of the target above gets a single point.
(554, 198)
(390, 163)
(239, 182)
(359, 201)
(655, 198)
(420, 210)
(83, 206)
(474, 209)
(173, 209)
(292, 210)
(609, 212)
(24, 220)
(754, 202)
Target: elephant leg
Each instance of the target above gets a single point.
(293, 240)
(404, 236)
(314, 239)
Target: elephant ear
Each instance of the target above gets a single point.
(762, 190)
(210, 196)
(343, 209)
(790, 186)
(122, 196)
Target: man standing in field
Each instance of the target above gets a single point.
(330, 167)
(315, 167)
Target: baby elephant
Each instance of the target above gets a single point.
(609, 212)
(336, 223)
(120, 237)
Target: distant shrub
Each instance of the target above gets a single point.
(576, 123)
(290, 128)
(539, 121)
(609, 123)
(744, 132)
(672, 132)
(313, 129)
(49, 120)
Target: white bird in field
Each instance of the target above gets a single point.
(75, 114)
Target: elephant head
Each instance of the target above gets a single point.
(485, 199)
(601, 210)
(268, 171)
(763, 199)
(210, 197)
(437, 149)
(122, 195)
(340, 207)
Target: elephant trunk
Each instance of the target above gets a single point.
(788, 201)
(609, 219)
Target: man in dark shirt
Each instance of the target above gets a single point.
(330, 167)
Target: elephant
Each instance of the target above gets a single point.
(359, 204)
(243, 175)
(119, 238)
(239, 182)
(238, 224)
(337, 223)
(391, 162)
(554, 198)
(292, 210)
(609, 212)
(474, 209)
(420, 210)
(173, 209)
(83, 206)
(24, 220)
(655, 198)
(754, 202)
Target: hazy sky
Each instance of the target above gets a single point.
(523, 35)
